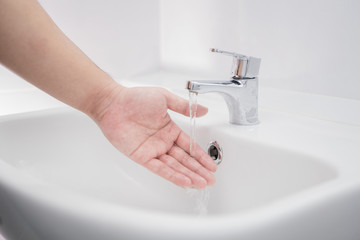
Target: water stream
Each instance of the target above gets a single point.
(201, 197)
(193, 110)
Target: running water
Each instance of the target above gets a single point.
(201, 197)
(193, 109)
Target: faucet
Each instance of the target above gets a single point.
(240, 92)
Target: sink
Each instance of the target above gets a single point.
(286, 178)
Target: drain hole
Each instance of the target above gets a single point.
(215, 152)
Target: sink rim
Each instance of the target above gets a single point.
(19, 184)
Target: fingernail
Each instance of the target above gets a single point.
(212, 181)
(214, 168)
(187, 182)
(202, 183)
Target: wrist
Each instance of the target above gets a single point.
(101, 98)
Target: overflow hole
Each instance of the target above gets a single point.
(215, 152)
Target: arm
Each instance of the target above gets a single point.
(32, 46)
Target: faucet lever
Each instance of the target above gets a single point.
(234, 54)
(244, 67)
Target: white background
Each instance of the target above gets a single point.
(307, 46)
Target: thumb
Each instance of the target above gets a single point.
(180, 105)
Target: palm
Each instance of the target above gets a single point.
(137, 123)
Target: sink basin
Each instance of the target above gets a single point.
(286, 178)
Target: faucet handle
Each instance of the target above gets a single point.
(243, 66)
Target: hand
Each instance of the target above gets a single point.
(136, 122)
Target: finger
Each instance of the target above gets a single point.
(180, 105)
(197, 180)
(183, 141)
(161, 169)
(185, 159)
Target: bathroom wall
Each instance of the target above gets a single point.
(122, 37)
(308, 46)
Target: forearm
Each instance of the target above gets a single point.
(32, 46)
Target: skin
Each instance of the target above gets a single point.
(134, 120)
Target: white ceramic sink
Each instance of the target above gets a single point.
(290, 177)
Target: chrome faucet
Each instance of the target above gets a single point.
(240, 92)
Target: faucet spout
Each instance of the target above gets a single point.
(240, 93)
(213, 86)
(240, 96)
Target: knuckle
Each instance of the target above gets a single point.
(171, 176)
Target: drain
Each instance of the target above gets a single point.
(215, 151)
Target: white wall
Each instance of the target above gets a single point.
(121, 37)
(309, 46)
